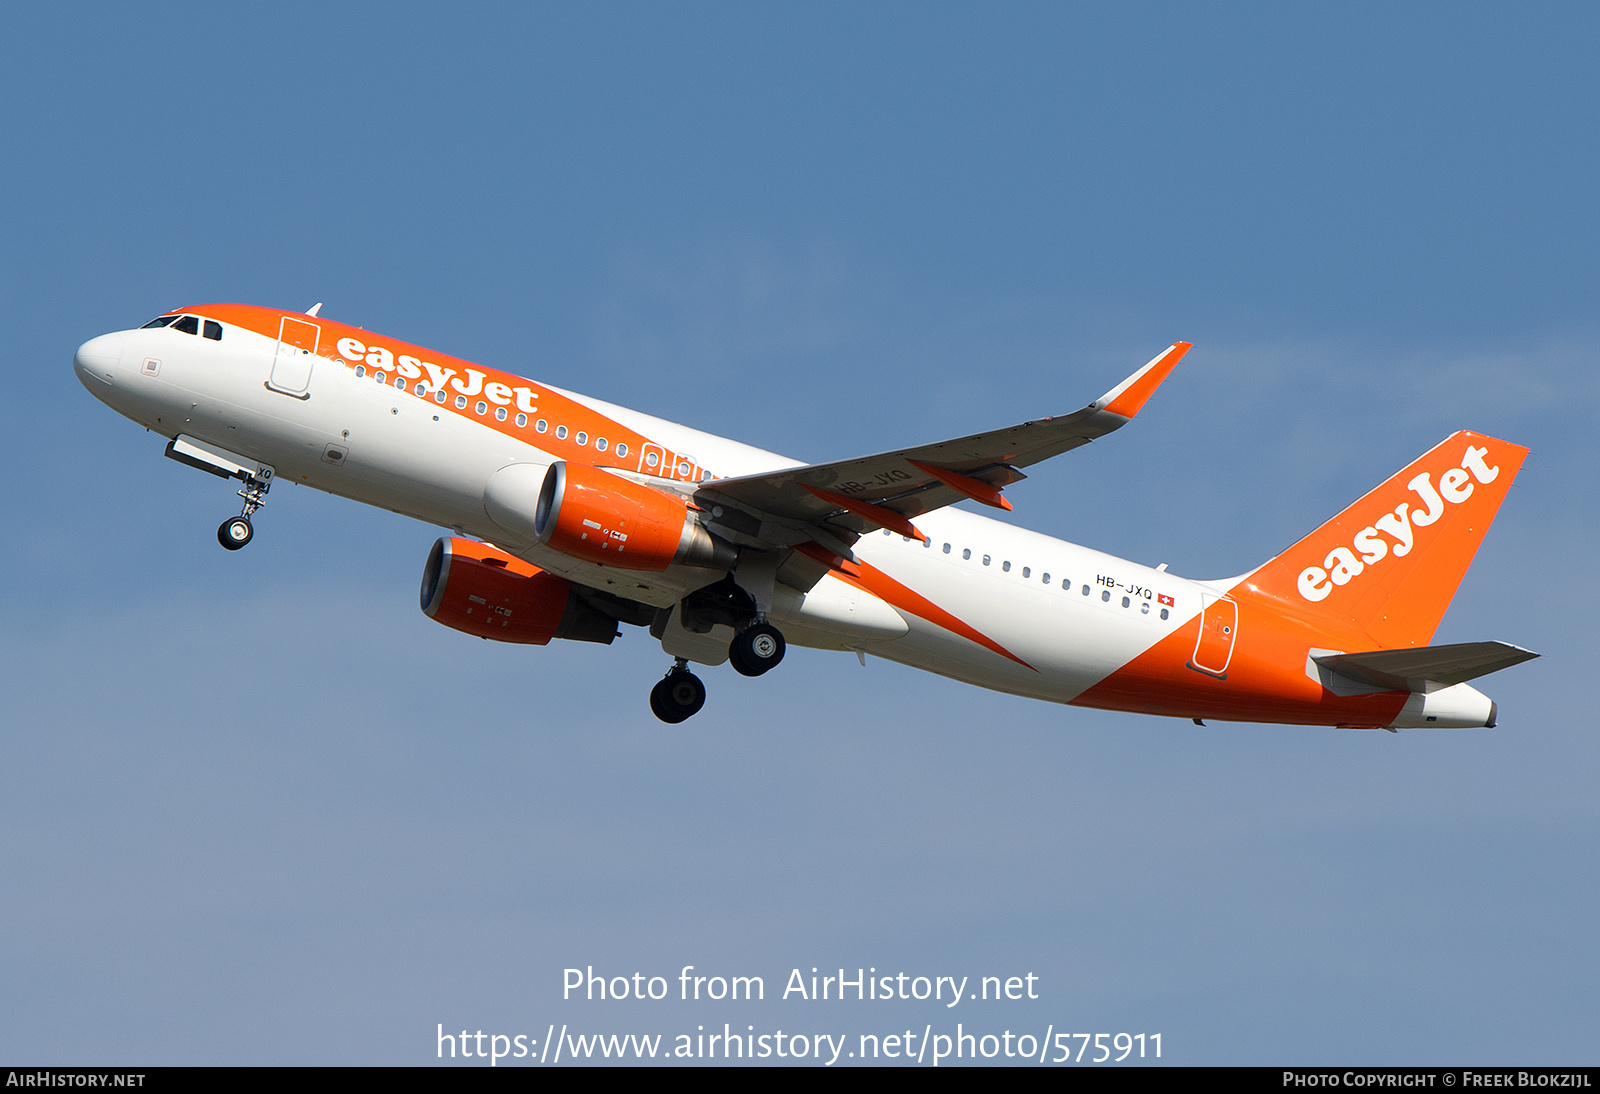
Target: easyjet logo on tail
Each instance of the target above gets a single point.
(1344, 564)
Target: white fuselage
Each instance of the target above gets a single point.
(990, 604)
(406, 455)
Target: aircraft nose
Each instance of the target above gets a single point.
(99, 358)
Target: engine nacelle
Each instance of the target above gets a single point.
(606, 519)
(483, 591)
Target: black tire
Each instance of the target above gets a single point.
(677, 697)
(235, 532)
(659, 704)
(756, 649)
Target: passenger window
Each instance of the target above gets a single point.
(189, 324)
(966, 552)
(1163, 613)
(159, 322)
(622, 450)
(561, 432)
(1105, 595)
(1124, 602)
(213, 330)
(1027, 571)
(986, 560)
(1045, 578)
(1086, 590)
(946, 548)
(1006, 566)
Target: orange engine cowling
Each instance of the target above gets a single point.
(603, 518)
(483, 591)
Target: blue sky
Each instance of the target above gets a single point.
(257, 808)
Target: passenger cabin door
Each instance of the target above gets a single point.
(1219, 626)
(296, 353)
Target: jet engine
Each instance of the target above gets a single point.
(603, 518)
(486, 592)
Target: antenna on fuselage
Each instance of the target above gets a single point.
(314, 309)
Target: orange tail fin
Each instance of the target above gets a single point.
(1386, 568)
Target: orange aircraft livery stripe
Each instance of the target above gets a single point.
(886, 588)
(623, 448)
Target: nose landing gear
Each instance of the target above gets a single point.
(679, 695)
(235, 532)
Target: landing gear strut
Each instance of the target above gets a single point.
(679, 695)
(757, 645)
(756, 649)
(235, 532)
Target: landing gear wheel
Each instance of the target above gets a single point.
(756, 649)
(235, 533)
(678, 696)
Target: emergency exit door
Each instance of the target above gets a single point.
(1219, 627)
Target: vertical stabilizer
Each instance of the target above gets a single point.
(1381, 573)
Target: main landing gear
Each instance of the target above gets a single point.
(756, 649)
(235, 532)
(680, 694)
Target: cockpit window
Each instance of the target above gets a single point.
(159, 322)
(189, 324)
(213, 330)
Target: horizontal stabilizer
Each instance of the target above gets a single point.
(1409, 669)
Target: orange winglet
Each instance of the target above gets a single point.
(1130, 396)
(973, 488)
(877, 514)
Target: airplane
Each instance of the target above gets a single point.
(571, 517)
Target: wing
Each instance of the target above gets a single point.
(887, 490)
